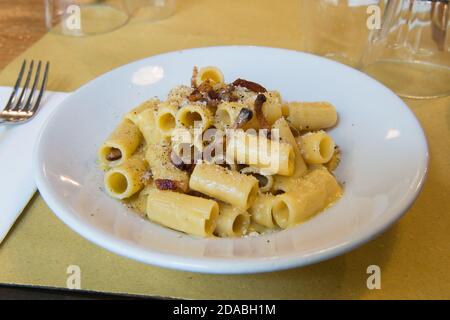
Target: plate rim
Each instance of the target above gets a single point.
(224, 265)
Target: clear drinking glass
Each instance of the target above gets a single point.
(410, 53)
(85, 17)
(151, 10)
(337, 29)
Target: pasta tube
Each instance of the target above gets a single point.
(232, 222)
(158, 158)
(125, 180)
(323, 179)
(133, 114)
(194, 115)
(166, 119)
(286, 136)
(120, 145)
(317, 147)
(179, 94)
(193, 215)
(265, 182)
(312, 115)
(256, 227)
(186, 146)
(228, 112)
(138, 201)
(272, 108)
(318, 190)
(228, 186)
(261, 210)
(285, 109)
(282, 182)
(270, 156)
(147, 125)
(212, 74)
(335, 160)
(224, 162)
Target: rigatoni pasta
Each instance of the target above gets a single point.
(265, 181)
(272, 108)
(166, 119)
(211, 74)
(120, 145)
(285, 134)
(313, 194)
(317, 147)
(193, 215)
(133, 115)
(228, 113)
(158, 157)
(126, 179)
(312, 115)
(194, 115)
(232, 221)
(266, 165)
(229, 186)
(270, 156)
(261, 211)
(145, 121)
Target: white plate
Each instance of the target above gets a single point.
(384, 160)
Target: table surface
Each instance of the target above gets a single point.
(21, 24)
(413, 254)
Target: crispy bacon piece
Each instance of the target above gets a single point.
(173, 185)
(205, 93)
(195, 96)
(194, 77)
(213, 104)
(226, 93)
(205, 87)
(259, 102)
(114, 154)
(214, 95)
(166, 184)
(252, 86)
(233, 98)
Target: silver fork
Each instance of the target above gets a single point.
(23, 106)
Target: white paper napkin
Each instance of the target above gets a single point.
(17, 142)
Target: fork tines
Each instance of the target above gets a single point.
(23, 103)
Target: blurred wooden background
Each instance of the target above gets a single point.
(21, 24)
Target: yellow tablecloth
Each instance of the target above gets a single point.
(414, 255)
